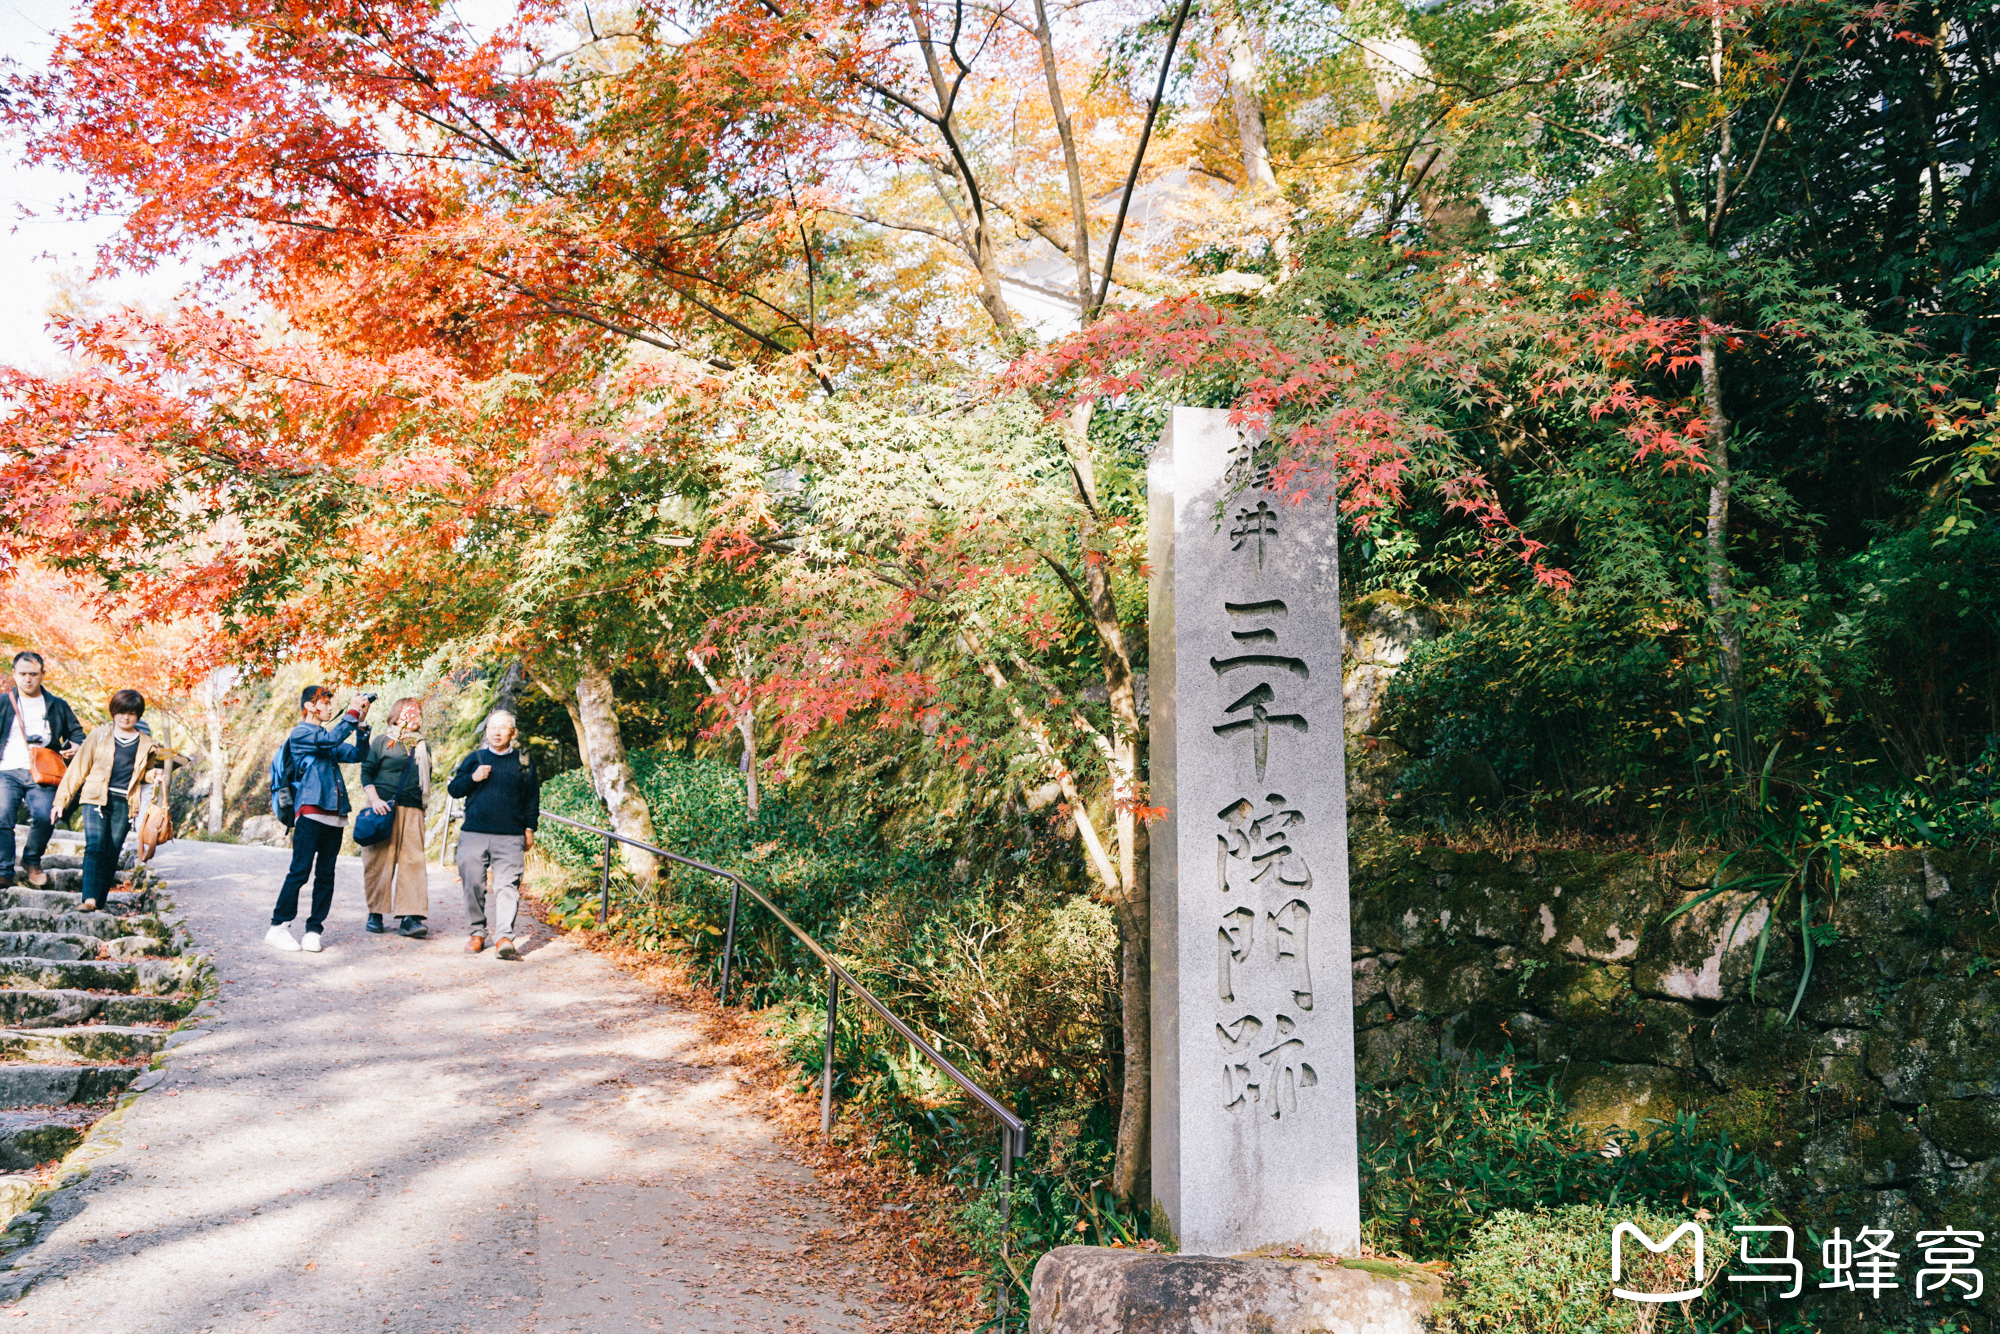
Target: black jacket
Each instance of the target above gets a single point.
(64, 729)
(391, 769)
(508, 802)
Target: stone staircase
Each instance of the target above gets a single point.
(87, 1001)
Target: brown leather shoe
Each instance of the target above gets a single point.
(476, 944)
(505, 949)
(37, 877)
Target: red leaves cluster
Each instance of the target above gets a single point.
(1366, 411)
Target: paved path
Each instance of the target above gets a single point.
(394, 1136)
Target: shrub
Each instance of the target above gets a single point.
(816, 871)
(1464, 1142)
(1550, 1273)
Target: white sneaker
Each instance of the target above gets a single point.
(280, 938)
(310, 943)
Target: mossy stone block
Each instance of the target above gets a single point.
(1870, 1153)
(1577, 993)
(1709, 952)
(1626, 1097)
(1374, 1014)
(1967, 1127)
(1937, 1042)
(1502, 903)
(1746, 1044)
(1882, 895)
(1369, 973)
(1605, 920)
(1391, 1055)
(1747, 1118)
(1441, 981)
(1641, 1032)
(1495, 1029)
(1837, 1058)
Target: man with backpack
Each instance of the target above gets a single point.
(306, 784)
(32, 720)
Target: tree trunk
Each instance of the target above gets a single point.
(979, 245)
(610, 771)
(1234, 39)
(746, 727)
(992, 295)
(1132, 896)
(1720, 605)
(1400, 70)
(746, 723)
(508, 697)
(1079, 207)
(218, 762)
(582, 742)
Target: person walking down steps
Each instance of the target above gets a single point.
(106, 777)
(39, 733)
(503, 808)
(396, 777)
(313, 756)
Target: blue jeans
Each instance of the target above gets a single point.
(17, 786)
(315, 853)
(104, 830)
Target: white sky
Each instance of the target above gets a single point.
(36, 250)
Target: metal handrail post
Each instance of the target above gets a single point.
(729, 938)
(604, 890)
(826, 1071)
(1006, 1221)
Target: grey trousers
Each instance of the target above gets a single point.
(506, 855)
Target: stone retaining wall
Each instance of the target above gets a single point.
(1880, 1105)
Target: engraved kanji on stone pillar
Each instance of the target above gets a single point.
(1250, 862)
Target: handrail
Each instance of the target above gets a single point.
(1013, 1130)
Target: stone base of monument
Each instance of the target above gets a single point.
(1093, 1290)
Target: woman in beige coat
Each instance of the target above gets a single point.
(396, 775)
(106, 776)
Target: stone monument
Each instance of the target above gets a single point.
(1254, 1142)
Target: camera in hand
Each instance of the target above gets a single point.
(369, 696)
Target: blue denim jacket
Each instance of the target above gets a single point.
(317, 754)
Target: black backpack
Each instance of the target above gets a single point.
(284, 778)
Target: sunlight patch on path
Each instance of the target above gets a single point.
(394, 1136)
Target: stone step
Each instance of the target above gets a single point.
(150, 977)
(102, 926)
(61, 861)
(49, 945)
(29, 1139)
(92, 1042)
(163, 1009)
(69, 880)
(61, 1009)
(43, 1085)
(57, 900)
(137, 947)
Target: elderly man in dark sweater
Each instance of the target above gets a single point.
(503, 808)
